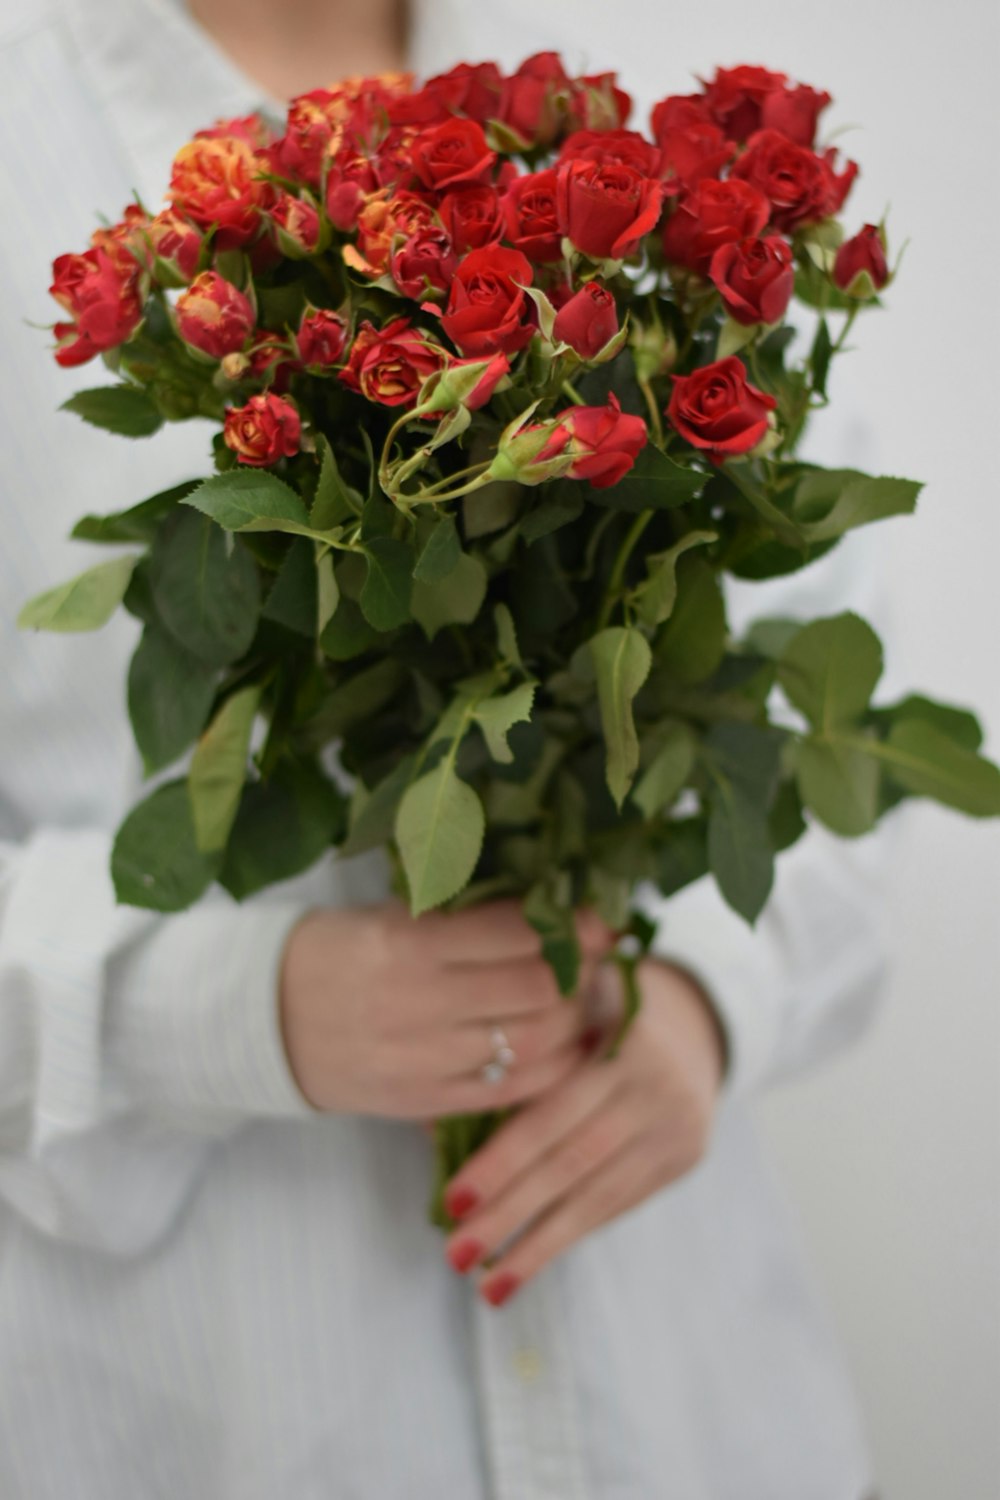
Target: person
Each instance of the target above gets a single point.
(216, 1275)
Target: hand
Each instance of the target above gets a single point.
(384, 1014)
(599, 1142)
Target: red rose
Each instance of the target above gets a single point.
(626, 147)
(471, 215)
(604, 442)
(588, 321)
(266, 429)
(529, 208)
(718, 410)
(690, 152)
(755, 278)
(349, 183)
(736, 96)
(213, 316)
(471, 89)
(533, 99)
(863, 254)
(468, 382)
(103, 300)
(321, 337)
(389, 365)
(487, 306)
(424, 265)
(712, 214)
(455, 152)
(597, 103)
(678, 111)
(794, 112)
(297, 223)
(606, 210)
(801, 186)
(217, 181)
(176, 242)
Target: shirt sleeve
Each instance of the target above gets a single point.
(130, 1043)
(804, 981)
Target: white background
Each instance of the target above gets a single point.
(892, 1155)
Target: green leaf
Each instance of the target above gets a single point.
(957, 724)
(655, 599)
(83, 603)
(137, 524)
(373, 817)
(840, 784)
(292, 600)
(771, 636)
(439, 829)
(847, 499)
(282, 827)
(667, 772)
(251, 500)
(327, 592)
(219, 768)
(692, 643)
(170, 693)
(355, 699)
(335, 500)
(497, 716)
(124, 409)
(654, 482)
(506, 635)
(929, 764)
(622, 660)
(740, 854)
(347, 633)
(205, 587)
(830, 668)
(155, 862)
(555, 924)
(749, 755)
(683, 856)
(563, 503)
(385, 597)
(819, 358)
(440, 553)
(453, 600)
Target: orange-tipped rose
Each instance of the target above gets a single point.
(101, 295)
(213, 316)
(266, 429)
(217, 181)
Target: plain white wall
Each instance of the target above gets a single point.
(892, 1155)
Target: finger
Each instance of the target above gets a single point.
(499, 930)
(523, 1141)
(482, 992)
(531, 1038)
(624, 1181)
(473, 1095)
(563, 1171)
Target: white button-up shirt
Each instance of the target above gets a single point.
(207, 1290)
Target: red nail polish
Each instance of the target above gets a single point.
(464, 1254)
(459, 1201)
(590, 1040)
(499, 1290)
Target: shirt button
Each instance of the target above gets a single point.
(528, 1365)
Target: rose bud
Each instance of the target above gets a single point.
(736, 97)
(597, 103)
(470, 88)
(465, 382)
(321, 338)
(795, 112)
(605, 210)
(801, 186)
(718, 410)
(296, 223)
(176, 244)
(860, 268)
(389, 365)
(604, 442)
(588, 321)
(102, 298)
(712, 214)
(531, 454)
(487, 306)
(266, 429)
(452, 153)
(213, 316)
(529, 209)
(534, 98)
(424, 265)
(755, 278)
(471, 216)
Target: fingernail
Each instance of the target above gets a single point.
(498, 1291)
(590, 1040)
(461, 1200)
(464, 1254)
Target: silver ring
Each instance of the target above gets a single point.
(502, 1060)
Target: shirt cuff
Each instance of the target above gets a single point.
(193, 1016)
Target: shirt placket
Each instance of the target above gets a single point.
(531, 1432)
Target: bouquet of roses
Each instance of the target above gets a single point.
(502, 391)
